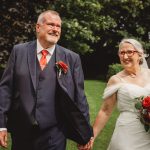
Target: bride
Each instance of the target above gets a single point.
(122, 89)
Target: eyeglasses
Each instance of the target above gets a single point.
(129, 53)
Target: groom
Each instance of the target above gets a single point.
(42, 100)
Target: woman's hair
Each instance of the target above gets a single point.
(137, 45)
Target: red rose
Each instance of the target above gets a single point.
(62, 67)
(146, 103)
(143, 105)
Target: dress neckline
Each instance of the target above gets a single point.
(124, 81)
(137, 84)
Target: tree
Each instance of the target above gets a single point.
(17, 24)
(88, 26)
(132, 19)
(81, 20)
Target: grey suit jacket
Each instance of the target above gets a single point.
(18, 91)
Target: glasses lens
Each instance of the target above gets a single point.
(122, 53)
(130, 53)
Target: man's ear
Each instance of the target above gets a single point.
(37, 27)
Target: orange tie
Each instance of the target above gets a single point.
(43, 60)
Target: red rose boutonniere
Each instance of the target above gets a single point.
(143, 105)
(62, 67)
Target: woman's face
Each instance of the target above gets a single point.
(129, 56)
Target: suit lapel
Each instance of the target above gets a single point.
(60, 56)
(62, 80)
(32, 57)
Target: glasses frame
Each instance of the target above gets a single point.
(129, 53)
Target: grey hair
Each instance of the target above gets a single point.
(41, 18)
(137, 45)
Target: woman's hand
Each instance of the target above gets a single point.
(88, 146)
(3, 138)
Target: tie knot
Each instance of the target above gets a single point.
(44, 52)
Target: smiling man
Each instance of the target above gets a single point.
(42, 100)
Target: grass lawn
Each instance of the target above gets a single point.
(94, 90)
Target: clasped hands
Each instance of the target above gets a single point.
(87, 146)
(3, 138)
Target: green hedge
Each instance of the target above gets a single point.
(113, 69)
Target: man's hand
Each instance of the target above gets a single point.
(3, 138)
(88, 146)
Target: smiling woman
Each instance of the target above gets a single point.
(130, 47)
(122, 89)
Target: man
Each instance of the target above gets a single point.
(42, 100)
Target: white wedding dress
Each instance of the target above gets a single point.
(129, 133)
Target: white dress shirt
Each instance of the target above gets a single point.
(40, 48)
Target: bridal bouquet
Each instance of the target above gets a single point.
(143, 105)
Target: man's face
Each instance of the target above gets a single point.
(49, 31)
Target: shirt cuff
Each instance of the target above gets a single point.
(3, 129)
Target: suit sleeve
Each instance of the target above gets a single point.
(80, 97)
(6, 87)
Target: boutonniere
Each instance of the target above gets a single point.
(62, 67)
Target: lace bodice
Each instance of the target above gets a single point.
(126, 94)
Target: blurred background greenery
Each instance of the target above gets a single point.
(91, 28)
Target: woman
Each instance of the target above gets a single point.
(122, 89)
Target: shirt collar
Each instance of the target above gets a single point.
(40, 48)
